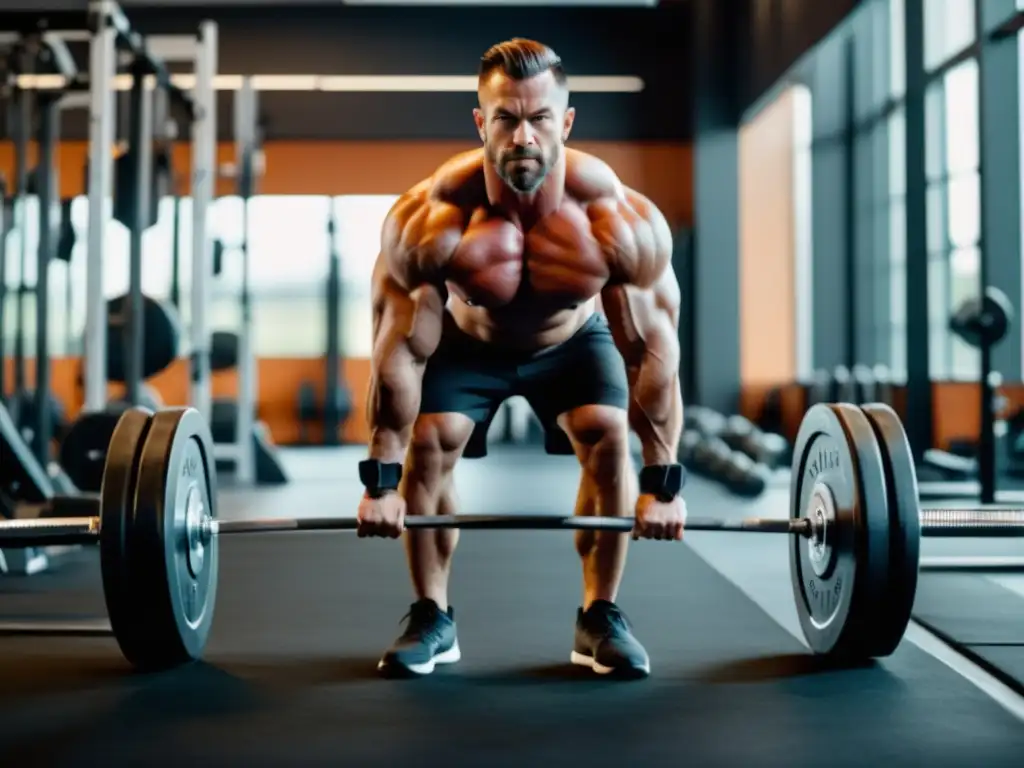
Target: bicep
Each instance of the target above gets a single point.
(645, 321)
(408, 280)
(406, 320)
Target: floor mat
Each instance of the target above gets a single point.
(301, 620)
(980, 617)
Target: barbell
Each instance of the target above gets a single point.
(854, 519)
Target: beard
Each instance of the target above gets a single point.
(522, 168)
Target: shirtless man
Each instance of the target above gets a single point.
(486, 287)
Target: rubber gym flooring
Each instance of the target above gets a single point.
(302, 618)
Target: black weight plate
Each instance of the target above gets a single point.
(904, 526)
(83, 451)
(176, 489)
(837, 464)
(117, 499)
(161, 331)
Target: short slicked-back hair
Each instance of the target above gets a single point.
(521, 59)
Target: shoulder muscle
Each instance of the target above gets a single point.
(418, 237)
(635, 236)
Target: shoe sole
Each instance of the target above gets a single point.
(581, 660)
(397, 669)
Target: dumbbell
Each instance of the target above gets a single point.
(765, 448)
(745, 477)
(883, 384)
(705, 421)
(710, 457)
(819, 388)
(864, 384)
(687, 444)
(842, 385)
(714, 459)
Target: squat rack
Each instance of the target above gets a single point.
(110, 31)
(26, 103)
(241, 452)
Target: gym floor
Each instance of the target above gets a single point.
(302, 618)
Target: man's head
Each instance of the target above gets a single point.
(524, 116)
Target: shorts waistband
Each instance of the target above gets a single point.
(462, 339)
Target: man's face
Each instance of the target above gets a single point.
(523, 124)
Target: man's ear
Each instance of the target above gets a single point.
(567, 121)
(478, 118)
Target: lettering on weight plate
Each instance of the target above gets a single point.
(190, 467)
(824, 600)
(812, 590)
(824, 459)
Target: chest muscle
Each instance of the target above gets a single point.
(557, 262)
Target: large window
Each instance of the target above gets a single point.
(896, 135)
(954, 214)
(949, 28)
(897, 48)
(879, 187)
(359, 222)
(872, 239)
(65, 313)
(803, 208)
(289, 257)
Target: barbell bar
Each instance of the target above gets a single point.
(855, 523)
(936, 522)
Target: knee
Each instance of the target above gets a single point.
(437, 440)
(600, 435)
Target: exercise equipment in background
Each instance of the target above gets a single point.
(972, 471)
(83, 447)
(242, 445)
(25, 437)
(731, 450)
(34, 115)
(327, 410)
(143, 335)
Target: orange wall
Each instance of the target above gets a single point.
(767, 246)
(661, 171)
(279, 379)
(956, 407)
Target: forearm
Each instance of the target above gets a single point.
(392, 405)
(656, 410)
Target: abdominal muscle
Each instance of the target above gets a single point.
(520, 325)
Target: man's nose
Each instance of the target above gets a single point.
(524, 135)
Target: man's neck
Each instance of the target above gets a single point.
(527, 207)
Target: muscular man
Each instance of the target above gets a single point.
(486, 287)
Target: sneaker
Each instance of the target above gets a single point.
(429, 639)
(605, 642)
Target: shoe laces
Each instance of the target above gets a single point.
(422, 621)
(607, 619)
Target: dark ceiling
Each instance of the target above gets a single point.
(658, 45)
